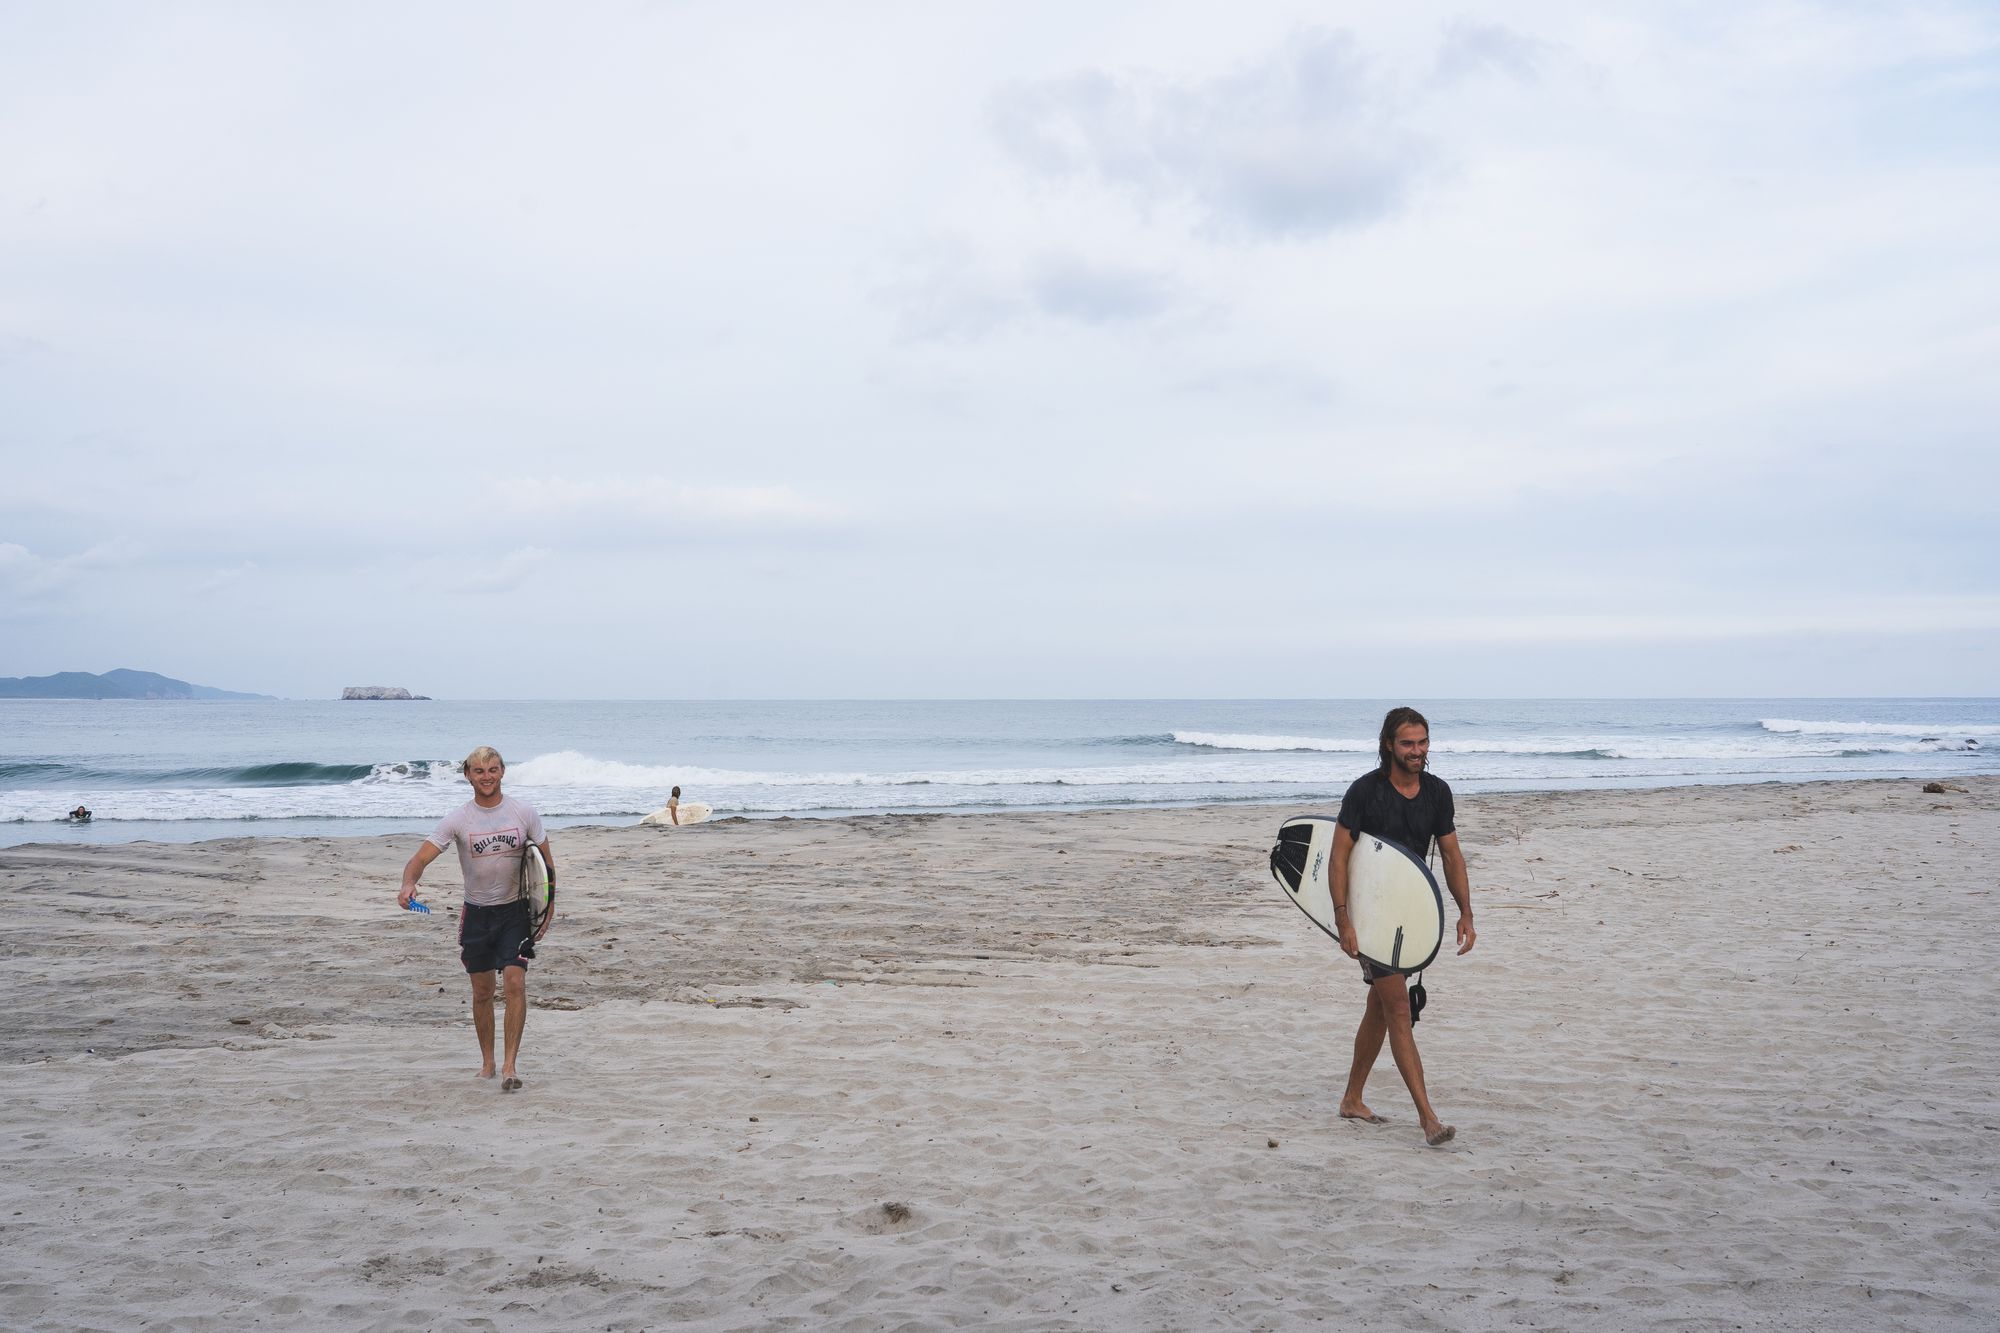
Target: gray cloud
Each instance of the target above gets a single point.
(946, 294)
(940, 293)
(1265, 383)
(1073, 288)
(27, 576)
(1471, 48)
(16, 348)
(1297, 145)
(507, 573)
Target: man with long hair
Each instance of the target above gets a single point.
(1403, 803)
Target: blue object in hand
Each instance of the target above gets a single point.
(416, 906)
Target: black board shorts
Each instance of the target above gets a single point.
(492, 938)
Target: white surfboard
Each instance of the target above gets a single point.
(538, 886)
(1394, 900)
(691, 812)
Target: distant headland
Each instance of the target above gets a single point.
(379, 692)
(119, 684)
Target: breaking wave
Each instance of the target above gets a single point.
(1928, 731)
(294, 773)
(1209, 740)
(605, 766)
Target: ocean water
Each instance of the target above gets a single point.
(172, 771)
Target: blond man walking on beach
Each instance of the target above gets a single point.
(491, 832)
(1402, 802)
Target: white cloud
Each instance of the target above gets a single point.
(658, 499)
(940, 291)
(1471, 47)
(944, 293)
(1074, 288)
(26, 576)
(1892, 617)
(477, 572)
(232, 577)
(1297, 145)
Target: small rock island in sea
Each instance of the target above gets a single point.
(379, 692)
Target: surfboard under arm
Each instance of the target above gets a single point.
(1301, 862)
(1392, 897)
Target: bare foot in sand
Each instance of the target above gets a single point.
(1361, 1113)
(1439, 1135)
(488, 1072)
(510, 1083)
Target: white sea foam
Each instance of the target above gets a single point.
(1776, 747)
(1769, 745)
(574, 783)
(571, 768)
(1530, 745)
(422, 772)
(1210, 740)
(1939, 730)
(1227, 741)
(1138, 765)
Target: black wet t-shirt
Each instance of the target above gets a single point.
(1374, 806)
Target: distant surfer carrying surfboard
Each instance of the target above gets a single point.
(674, 814)
(491, 832)
(1403, 803)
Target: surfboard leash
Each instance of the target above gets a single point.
(1419, 997)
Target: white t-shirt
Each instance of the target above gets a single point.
(490, 842)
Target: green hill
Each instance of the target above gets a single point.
(119, 684)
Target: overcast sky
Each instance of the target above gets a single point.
(712, 350)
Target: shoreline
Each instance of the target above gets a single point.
(1717, 1059)
(388, 826)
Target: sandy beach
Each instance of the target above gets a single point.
(1725, 1057)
